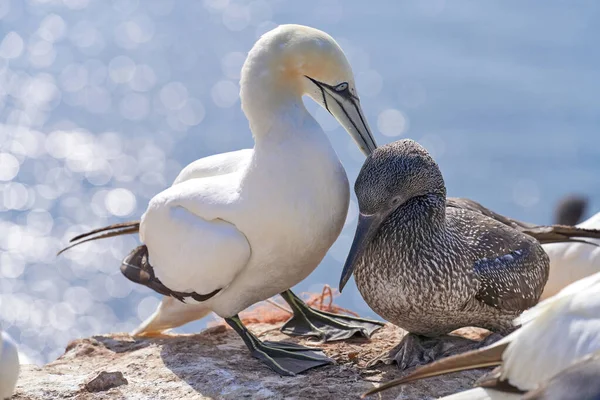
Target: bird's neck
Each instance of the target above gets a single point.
(272, 108)
(425, 215)
(271, 94)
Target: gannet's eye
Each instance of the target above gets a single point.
(341, 87)
(395, 201)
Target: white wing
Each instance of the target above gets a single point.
(218, 164)
(588, 284)
(192, 244)
(570, 262)
(172, 313)
(9, 366)
(556, 333)
(482, 394)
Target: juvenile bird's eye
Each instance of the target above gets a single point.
(395, 201)
(341, 87)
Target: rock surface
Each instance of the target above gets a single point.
(216, 365)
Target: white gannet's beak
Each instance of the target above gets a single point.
(345, 107)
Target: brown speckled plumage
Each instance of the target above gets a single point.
(431, 267)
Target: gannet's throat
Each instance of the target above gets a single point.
(343, 105)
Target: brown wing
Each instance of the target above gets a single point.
(543, 233)
(513, 281)
(511, 267)
(468, 204)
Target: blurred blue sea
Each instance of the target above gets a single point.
(102, 102)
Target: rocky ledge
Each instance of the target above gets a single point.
(216, 365)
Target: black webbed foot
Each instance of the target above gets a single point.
(323, 325)
(284, 358)
(414, 350)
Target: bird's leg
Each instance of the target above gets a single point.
(323, 325)
(414, 350)
(284, 358)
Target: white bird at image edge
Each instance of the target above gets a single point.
(570, 262)
(9, 366)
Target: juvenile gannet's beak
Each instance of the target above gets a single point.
(345, 107)
(365, 231)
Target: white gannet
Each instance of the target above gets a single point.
(570, 262)
(577, 382)
(240, 227)
(9, 366)
(555, 334)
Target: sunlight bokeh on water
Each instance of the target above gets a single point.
(102, 102)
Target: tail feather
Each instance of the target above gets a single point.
(562, 233)
(124, 228)
(487, 357)
(170, 314)
(135, 266)
(543, 233)
(131, 225)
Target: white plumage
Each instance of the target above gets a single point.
(255, 222)
(570, 262)
(171, 312)
(9, 366)
(555, 334)
(272, 211)
(215, 165)
(482, 394)
(248, 224)
(252, 222)
(237, 228)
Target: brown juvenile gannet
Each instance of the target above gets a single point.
(237, 228)
(431, 265)
(556, 349)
